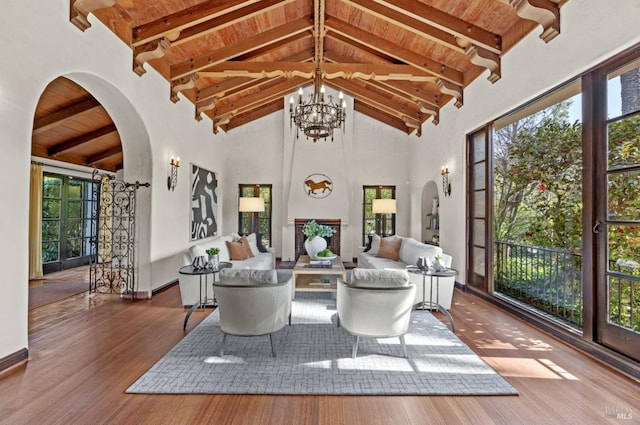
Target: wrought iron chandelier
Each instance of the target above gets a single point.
(317, 117)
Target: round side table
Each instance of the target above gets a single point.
(203, 273)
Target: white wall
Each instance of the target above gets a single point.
(591, 31)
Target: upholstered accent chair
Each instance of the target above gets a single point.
(376, 303)
(252, 303)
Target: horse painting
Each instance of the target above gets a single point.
(313, 186)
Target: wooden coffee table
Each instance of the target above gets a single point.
(316, 279)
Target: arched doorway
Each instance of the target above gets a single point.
(83, 120)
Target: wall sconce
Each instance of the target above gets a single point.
(446, 186)
(172, 180)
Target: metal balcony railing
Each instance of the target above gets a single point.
(547, 279)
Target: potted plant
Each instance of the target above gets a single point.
(435, 238)
(214, 259)
(315, 234)
(437, 265)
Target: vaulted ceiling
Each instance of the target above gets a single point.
(400, 60)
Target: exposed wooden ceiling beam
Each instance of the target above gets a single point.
(544, 12)
(379, 72)
(408, 23)
(58, 118)
(378, 115)
(160, 44)
(448, 23)
(241, 47)
(254, 114)
(81, 140)
(360, 37)
(79, 11)
(376, 54)
(94, 159)
(172, 25)
(397, 108)
(274, 47)
(261, 96)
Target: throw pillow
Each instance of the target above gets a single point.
(379, 278)
(237, 251)
(375, 242)
(248, 276)
(389, 249)
(253, 243)
(247, 246)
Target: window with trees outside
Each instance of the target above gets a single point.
(67, 211)
(381, 224)
(264, 218)
(537, 206)
(555, 209)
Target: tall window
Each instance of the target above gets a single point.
(264, 218)
(537, 205)
(67, 207)
(381, 224)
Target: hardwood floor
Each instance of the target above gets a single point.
(80, 366)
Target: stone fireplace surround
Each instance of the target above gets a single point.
(333, 242)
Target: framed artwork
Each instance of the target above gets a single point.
(204, 203)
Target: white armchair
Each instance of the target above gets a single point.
(377, 303)
(252, 303)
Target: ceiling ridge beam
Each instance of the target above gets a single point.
(81, 140)
(44, 123)
(453, 25)
(225, 53)
(360, 37)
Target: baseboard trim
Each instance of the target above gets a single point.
(164, 287)
(15, 359)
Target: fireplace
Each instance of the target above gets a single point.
(333, 242)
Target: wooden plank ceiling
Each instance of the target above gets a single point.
(400, 60)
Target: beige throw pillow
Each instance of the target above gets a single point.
(389, 249)
(237, 251)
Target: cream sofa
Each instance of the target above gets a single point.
(190, 285)
(410, 251)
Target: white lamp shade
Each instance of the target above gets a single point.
(384, 206)
(247, 204)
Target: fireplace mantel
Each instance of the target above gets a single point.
(333, 242)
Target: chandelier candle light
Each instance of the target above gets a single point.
(317, 118)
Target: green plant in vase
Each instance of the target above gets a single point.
(315, 234)
(214, 259)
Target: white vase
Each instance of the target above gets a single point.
(315, 245)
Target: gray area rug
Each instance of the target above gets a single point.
(314, 357)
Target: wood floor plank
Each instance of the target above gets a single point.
(80, 367)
